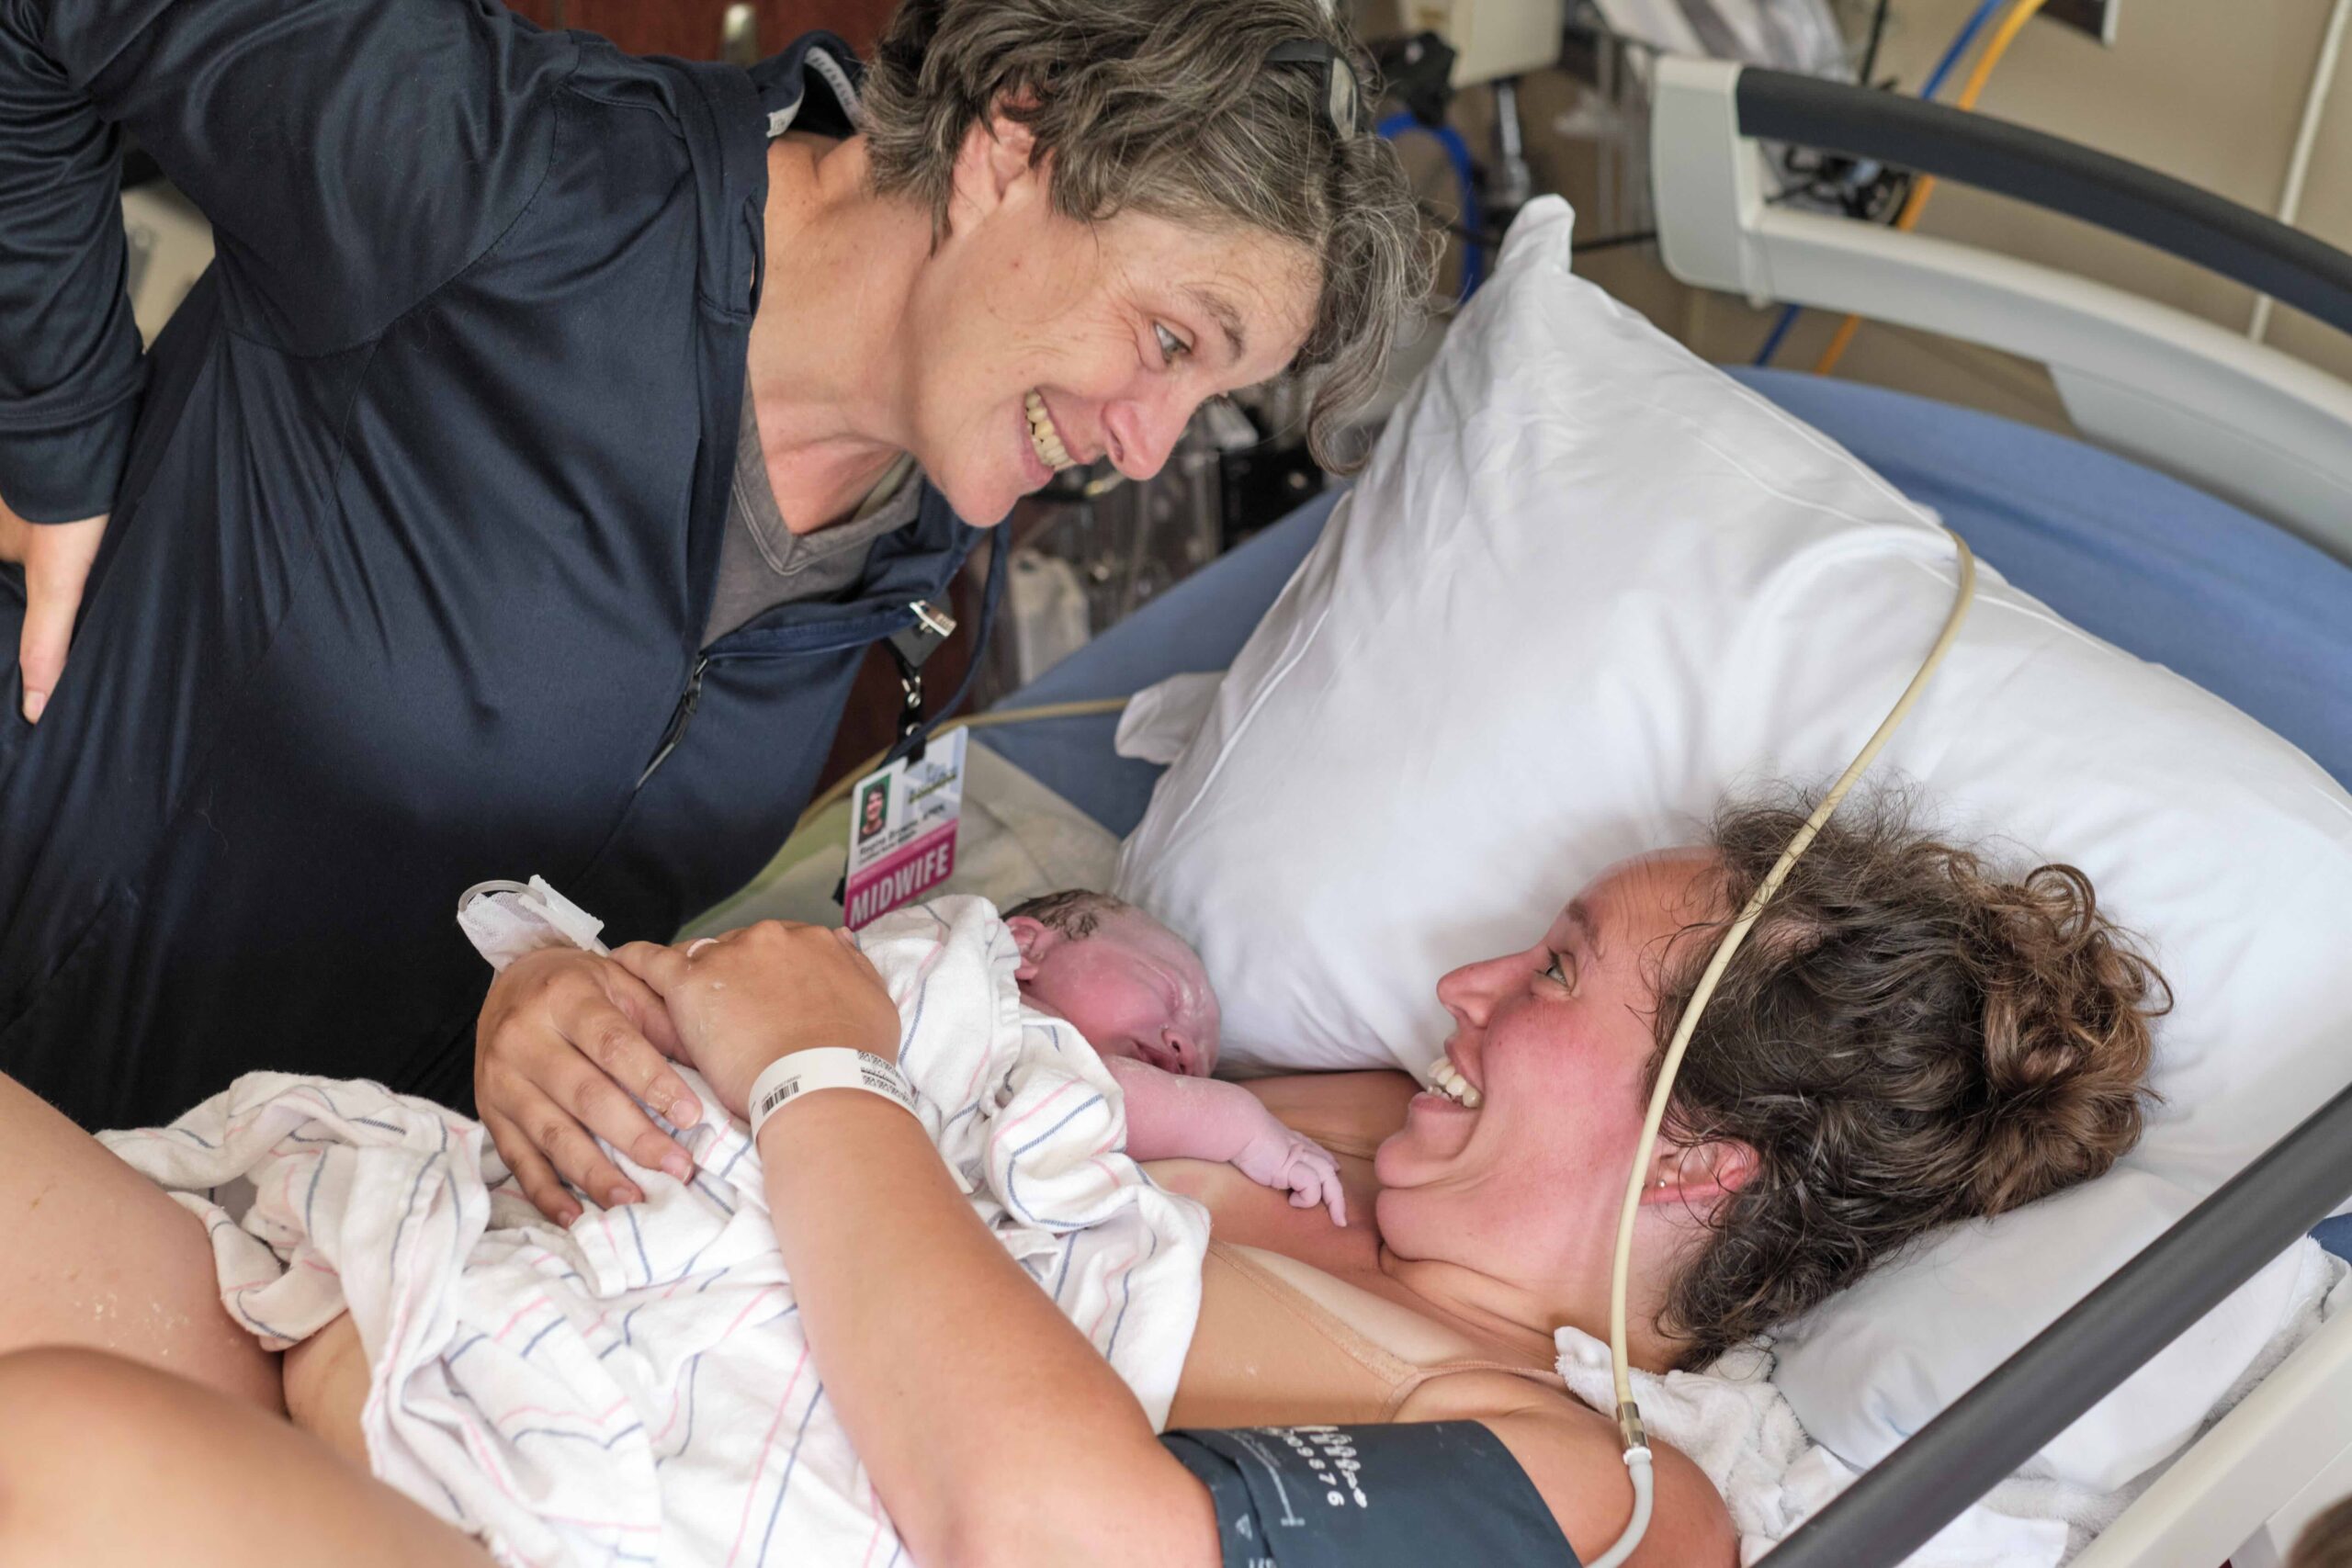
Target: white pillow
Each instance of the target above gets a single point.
(1587, 585)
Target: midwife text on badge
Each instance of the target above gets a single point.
(902, 830)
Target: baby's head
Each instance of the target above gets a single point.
(1128, 983)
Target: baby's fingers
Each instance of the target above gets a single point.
(1317, 1180)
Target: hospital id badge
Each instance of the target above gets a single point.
(902, 830)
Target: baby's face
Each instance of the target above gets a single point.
(1132, 987)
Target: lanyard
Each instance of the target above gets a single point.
(909, 648)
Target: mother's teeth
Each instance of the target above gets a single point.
(1448, 1080)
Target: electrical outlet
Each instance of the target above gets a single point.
(2096, 17)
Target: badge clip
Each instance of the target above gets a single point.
(933, 625)
(910, 647)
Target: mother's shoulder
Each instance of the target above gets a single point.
(1570, 1454)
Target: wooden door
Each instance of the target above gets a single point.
(695, 28)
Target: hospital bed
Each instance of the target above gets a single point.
(2209, 529)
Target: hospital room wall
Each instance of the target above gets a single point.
(2209, 93)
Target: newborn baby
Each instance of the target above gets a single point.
(1136, 991)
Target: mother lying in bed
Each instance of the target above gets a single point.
(1907, 1039)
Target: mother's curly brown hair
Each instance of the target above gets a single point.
(1906, 1039)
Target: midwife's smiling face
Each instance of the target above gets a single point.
(1046, 341)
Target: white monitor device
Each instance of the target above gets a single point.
(1491, 39)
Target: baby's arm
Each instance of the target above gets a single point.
(1173, 1117)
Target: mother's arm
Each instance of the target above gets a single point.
(1571, 1455)
(994, 1432)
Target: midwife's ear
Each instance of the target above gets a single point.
(997, 163)
(1035, 939)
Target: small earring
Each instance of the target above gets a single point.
(1661, 1181)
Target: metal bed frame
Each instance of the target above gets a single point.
(2181, 395)
(2171, 390)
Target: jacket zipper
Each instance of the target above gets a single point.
(680, 717)
(775, 643)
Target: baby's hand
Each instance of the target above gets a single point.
(1171, 1117)
(1280, 1158)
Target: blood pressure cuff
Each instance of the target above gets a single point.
(1389, 1496)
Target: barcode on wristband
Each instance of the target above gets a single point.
(833, 1068)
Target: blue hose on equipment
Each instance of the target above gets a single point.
(1457, 153)
(1935, 79)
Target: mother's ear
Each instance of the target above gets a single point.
(1701, 1174)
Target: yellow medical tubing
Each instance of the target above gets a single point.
(2011, 25)
(1629, 1416)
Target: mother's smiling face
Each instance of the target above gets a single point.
(1557, 1040)
(1045, 342)
(1910, 1037)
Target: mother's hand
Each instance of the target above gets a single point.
(741, 1000)
(568, 1044)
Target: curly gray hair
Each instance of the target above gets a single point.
(1171, 110)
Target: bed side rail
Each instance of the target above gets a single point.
(1899, 1502)
(2173, 391)
(2064, 176)
(2244, 1490)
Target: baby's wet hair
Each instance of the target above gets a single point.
(1074, 912)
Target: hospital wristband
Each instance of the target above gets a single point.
(786, 1078)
